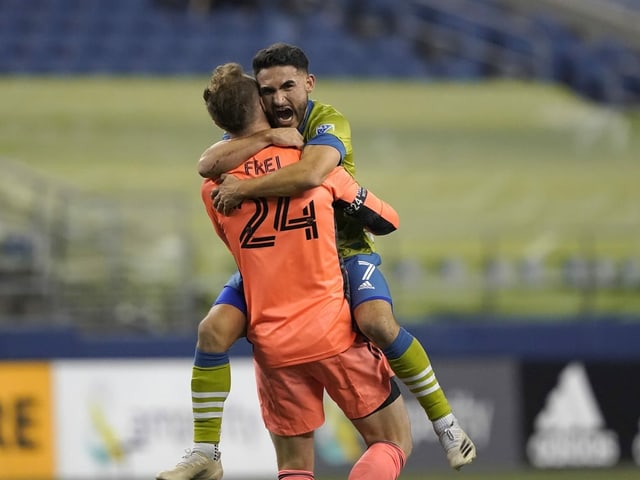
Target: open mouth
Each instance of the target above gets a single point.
(284, 114)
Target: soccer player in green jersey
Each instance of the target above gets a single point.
(282, 72)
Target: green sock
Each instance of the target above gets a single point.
(210, 387)
(412, 366)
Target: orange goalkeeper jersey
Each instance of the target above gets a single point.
(285, 249)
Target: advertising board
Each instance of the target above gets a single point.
(26, 427)
(485, 398)
(132, 418)
(581, 414)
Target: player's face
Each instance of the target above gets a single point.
(284, 92)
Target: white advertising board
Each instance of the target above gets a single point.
(132, 418)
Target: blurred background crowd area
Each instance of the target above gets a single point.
(591, 45)
(69, 256)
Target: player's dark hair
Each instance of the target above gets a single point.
(231, 96)
(280, 55)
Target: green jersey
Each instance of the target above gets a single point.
(324, 125)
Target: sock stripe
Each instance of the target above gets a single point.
(220, 395)
(428, 391)
(422, 374)
(203, 405)
(419, 387)
(206, 415)
(425, 383)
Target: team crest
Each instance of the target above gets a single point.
(324, 128)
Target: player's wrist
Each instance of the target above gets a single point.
(244, 188)
(265, 138)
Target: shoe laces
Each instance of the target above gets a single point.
(189, 452)
(448, 438)
(191, 457)
(450, 434)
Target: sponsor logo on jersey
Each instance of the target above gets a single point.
(324, 128)
(570, 430)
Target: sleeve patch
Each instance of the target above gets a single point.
(325, 128)
(357, 203)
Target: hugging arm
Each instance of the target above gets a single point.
(316, 163)
(227, 154)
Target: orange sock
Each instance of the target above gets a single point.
(382, 460)
(295, 475)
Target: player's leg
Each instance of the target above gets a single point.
(387, 435)
(406, 355)
(291, 403)
(211, 373)
(210, 384)
(374, 405)
(295, 456)
(373, 312)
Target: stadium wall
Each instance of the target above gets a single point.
(587, 339)
(89, 408)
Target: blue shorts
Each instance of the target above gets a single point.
(233, 294)
(366, 283)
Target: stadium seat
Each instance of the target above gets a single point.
(629, 273)
(453, 271)
(464, 40)
(532, 272)
(576, 272)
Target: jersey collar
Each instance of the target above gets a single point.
(303, 124)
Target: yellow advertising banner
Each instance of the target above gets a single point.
(26, 424)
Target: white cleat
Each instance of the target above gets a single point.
(460, 449)
(194, 466)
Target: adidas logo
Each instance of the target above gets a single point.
(570, 430)
(366, 285)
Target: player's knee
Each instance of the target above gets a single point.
(209, 339)
(215, 334)
(377, 322)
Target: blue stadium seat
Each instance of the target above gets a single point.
(453, 40)
(394, 57)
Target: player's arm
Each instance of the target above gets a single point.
(375, 214)
(227, 154)
(316, 163)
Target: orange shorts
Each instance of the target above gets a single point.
(291, 398)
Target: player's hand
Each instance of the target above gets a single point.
(226, 196)
(286, 137)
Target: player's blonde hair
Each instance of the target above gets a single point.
(231, 97)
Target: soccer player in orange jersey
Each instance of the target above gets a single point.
(299, 320)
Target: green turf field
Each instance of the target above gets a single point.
(616, 474)
(628, 473)
(621, 473)
(503, 171)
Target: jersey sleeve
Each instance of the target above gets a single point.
(332, 129)
(375, 214)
